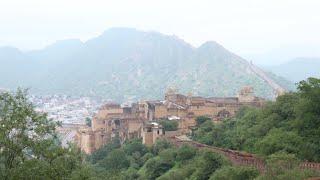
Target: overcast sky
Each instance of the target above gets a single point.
(244, 26)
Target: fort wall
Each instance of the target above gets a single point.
(112, 120)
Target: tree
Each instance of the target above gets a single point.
(103, 151)
(278, 140)
(207, 164)
(174, 174)
(160, 145)
(282, 165)
(310, 89)
(185, 153)
(88, 121)
(155, 167)
(130, 174)
(235, 173)
(86, 172)
(134, 146)
(28, 142)
(168, 156)
(202, 119)
(169, 125)
(115, 161)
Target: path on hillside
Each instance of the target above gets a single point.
(237, 157)
(279, 90)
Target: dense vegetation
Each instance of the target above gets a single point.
(289, 126)
(284, 132)
(162, 161)
(30, 150)
(165, 162)
(169, 125)
(28, 143)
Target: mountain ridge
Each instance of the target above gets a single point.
(128, 64)
(298, 69)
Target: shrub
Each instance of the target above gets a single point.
(169, 125)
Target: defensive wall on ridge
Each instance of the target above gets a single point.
(237, 157)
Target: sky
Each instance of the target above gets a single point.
(246, 27)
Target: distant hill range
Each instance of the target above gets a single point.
(298, 69)
(127, 64)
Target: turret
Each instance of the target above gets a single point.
(246, 94)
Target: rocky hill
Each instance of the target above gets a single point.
(124, 64)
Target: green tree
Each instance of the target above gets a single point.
(278, 140)
(174, 174)
(103, 151)
(202, 119)
(161, 145)
(86, 172)
(155, 167)
(185, 152)
(88, 121)
(130, 174)
(169, 125)
(168, 156)
(282, 166)
(28, 142)
(235, 173)
(207, 164)
(115, 161)
(134, 146)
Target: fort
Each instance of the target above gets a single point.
(237, 157)
(141, 119)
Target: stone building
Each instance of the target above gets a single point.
(151, 132)
(111, 121)
(139, 120)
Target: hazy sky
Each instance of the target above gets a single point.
(244, 26)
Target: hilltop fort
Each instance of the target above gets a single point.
(140, 120)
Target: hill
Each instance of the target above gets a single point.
(298, 69)
(127, 64)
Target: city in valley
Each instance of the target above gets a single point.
(66, 109)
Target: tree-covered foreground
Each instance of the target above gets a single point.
(29, 148)
(284, 133)
(288, 128)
